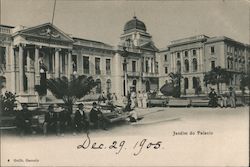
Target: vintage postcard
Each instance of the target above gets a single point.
(124, 83)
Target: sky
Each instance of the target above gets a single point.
(104, 20)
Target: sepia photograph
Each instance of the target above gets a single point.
(124, 83)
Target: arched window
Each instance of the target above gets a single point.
(186, 65)
(98, 86)
(194, 64)
(178, 66)
(108, 86)
(147, 86)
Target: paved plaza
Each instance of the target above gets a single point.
(165, 136)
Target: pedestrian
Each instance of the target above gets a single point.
(23, 120)
(96, 117)
(102, 98)
(213, 99)
(64, 119)
(133, 99)
(139, 99)
(223, 101)
(232, 97)
(133, 116)
(114, 99)
(50, 121)
(81, 121)
(144, 99)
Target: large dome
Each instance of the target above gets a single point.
(134, 24)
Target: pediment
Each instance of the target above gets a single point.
(149, 46)
(48, 31)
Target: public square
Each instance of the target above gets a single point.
(203, 137)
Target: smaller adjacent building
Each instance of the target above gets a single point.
(194, 56)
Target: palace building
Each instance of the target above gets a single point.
(194, 56)
(30, 55)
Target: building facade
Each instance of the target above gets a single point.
(194, 56)
(30, 55)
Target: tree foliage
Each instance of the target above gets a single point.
(70, 90)
(7, 102)
(245, 82)
(217, 76)
(174, 87)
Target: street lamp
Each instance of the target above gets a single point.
(125, 55)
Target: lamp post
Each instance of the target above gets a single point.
(125, 55)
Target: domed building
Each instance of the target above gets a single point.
(140, 68)
(44, 51)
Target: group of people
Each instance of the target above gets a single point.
(134, 99)
(226, 99)
(109, 98)
(57, 119)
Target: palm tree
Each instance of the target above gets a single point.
(173, 88)
(70, 90)
(217, 76)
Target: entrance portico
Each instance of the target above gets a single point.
(41, 49)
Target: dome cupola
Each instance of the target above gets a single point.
(134, 24)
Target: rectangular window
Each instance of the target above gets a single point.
(97, 65)
(85, 63)
(147, 67)
(166, 57)
(142, 66)
(194, 52)
(178, 55)
(228, 49)
(74, 63)
(51, 63)
(156, 68)
(133, 66)
(2, 56)
(212, 64)
(212, 49)
(63, 63)
(108, 66)
(166, 70)
(186, 53)
(235, 51)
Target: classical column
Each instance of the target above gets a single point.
(190, 61)
(182, 61)
(21, 69)
(28, 61)
(149, 65)
(174, 62)
(57, 63)
(31, 77)
(12, 69)
(198, 59)
(7, 55)
(153, 65)
(36, 66)
(201, 60)
(70, 70)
